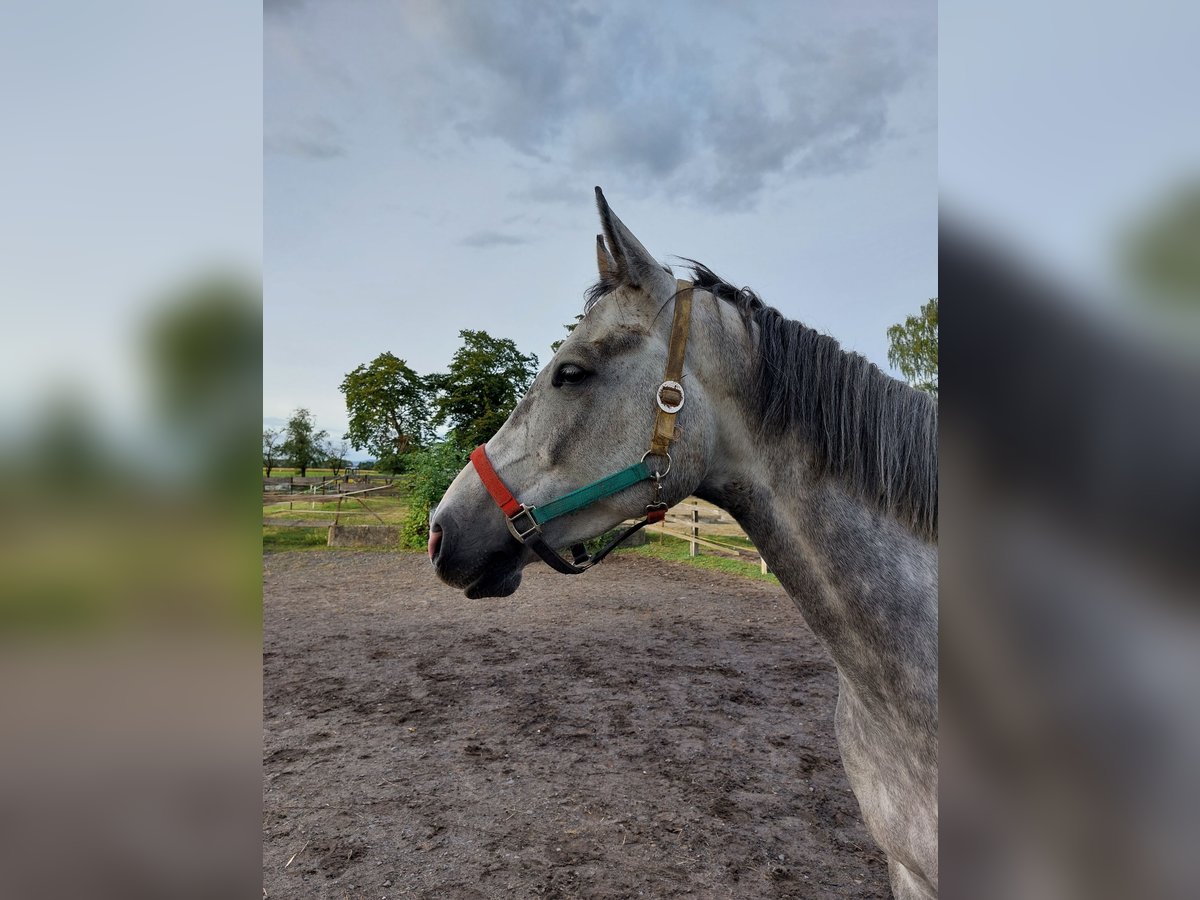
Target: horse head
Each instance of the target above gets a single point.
(589, 413)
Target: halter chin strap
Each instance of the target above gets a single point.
(525, 522)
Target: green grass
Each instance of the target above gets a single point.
(322, 508)
(277, 539)
(729, 540)
(673, 549)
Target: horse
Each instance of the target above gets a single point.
(827, 463)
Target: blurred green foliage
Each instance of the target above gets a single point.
(144, 522)
(1161, 254)
(203, 346)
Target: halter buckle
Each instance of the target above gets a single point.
(663, 404)
(516, 531)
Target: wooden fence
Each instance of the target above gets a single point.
(706, 526)
(343, 484)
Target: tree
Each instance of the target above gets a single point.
(570, 326)
(432, 470)
(302, 446)
(203, 348)
(388, 405)
(271, 438)
(335, 455)
(1161, 254)
(914, 347)
(487, 377)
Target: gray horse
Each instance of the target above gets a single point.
(828, 464)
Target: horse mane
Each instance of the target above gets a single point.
(873, 433)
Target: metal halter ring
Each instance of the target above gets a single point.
(668, 407)
(515, 530)
(658, 474)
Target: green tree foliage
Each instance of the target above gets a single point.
(388, 404)
(334, 453)
(204, 350)
(487, 377)
(303, 443)
(914, 347)
(570, 326)
(1161, 254)
(430, 472)
(270, 448)
(67, 448)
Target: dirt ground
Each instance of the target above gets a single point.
(645, 730)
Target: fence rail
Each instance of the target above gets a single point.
(314, 484)
(703, 525)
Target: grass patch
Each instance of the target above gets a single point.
(392, 510)
(277, 539)
(673, 549)
(280, 540)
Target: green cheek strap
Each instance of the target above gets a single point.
(590, 493)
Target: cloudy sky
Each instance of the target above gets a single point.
(429, 167)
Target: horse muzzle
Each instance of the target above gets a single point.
(479, 566)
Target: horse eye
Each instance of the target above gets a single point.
(569, 373)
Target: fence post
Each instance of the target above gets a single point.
(762, 564)
(694, 548)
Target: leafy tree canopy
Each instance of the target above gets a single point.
(914, 347)
(570, 326)
(487, 377)
(203, 348)
(430, 473)
(388, 405)
(303, 444)
(270, 445)
(334, 454)
(1162, 253)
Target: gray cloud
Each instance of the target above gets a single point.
(717, 116)
(829, 113)
(314, 138)
(493, 239)
(282, 7)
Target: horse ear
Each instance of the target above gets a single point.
(604, 261)
(634, 264)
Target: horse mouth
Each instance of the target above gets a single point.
(496, 575)
(494, 584)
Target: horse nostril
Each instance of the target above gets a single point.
(435, 541)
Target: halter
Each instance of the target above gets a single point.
(525, 522)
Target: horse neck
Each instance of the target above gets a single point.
(865, 582)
